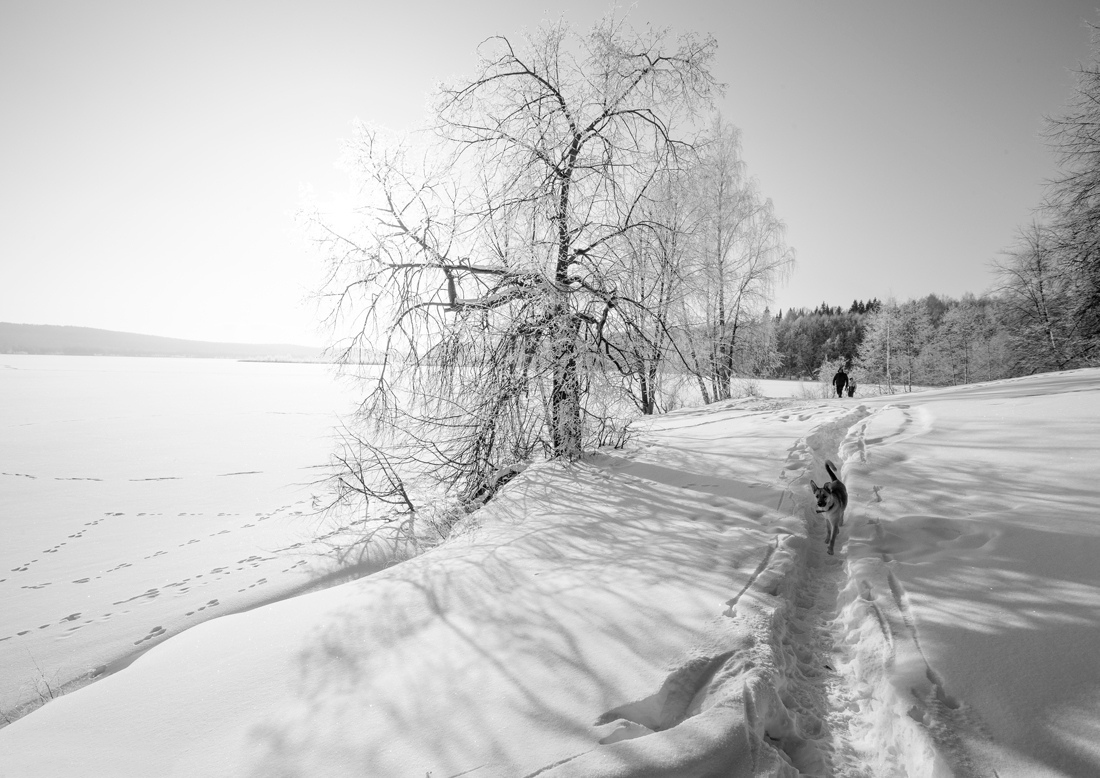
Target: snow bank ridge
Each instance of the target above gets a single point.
(716, 713)
(894, 708)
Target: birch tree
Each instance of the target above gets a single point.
(655, 273)
(1073, 204)
(877, 359)
(489, 267)
(740, 254)
(1039, 299)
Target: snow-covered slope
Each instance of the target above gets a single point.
(140, 497)
(671, 611)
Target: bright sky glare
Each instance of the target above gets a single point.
(152, 154)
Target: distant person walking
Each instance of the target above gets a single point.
(851, 388)
(840, 381)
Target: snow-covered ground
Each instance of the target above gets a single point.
(669, 610)
(139, 497)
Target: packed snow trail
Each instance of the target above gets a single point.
(821, 643)
(839, 644)
(797, 687)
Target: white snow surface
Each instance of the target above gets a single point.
(139, 497)
(669, 610)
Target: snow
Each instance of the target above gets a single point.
(139, 497)
(669, 610)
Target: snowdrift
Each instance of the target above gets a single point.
(670, 611)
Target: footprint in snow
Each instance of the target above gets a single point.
(155, 632)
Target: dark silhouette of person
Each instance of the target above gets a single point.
(840, 380)
(851, 388)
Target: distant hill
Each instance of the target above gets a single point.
(86, 341)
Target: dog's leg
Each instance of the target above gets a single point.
(828, 529)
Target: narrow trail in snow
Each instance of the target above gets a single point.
(847, 628)
(809, 647)
(805, 682)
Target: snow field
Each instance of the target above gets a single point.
(671, 610)
(973, 548)
(140, 497)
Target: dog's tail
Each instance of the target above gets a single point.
(830, 467)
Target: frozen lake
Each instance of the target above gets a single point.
(141, 496)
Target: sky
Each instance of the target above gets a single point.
(152, 155)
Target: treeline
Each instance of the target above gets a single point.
(936, 341)
(932, 341)
(805, 338)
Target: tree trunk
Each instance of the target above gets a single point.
(565, 400)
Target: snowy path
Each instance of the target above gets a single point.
(835, 642)
(671, 611)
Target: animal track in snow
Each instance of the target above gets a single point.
(148, 594)
(260, 582)
(155, 632)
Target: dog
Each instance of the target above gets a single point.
(832, 499)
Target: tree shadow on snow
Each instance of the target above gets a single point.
(996, 551)
(583, 582)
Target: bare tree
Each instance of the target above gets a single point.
(488, 269)
(647, 349)
(877, 358)
(1039, 297)
(740, 255)
(1073, 205)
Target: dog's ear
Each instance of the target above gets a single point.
(813, 485)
